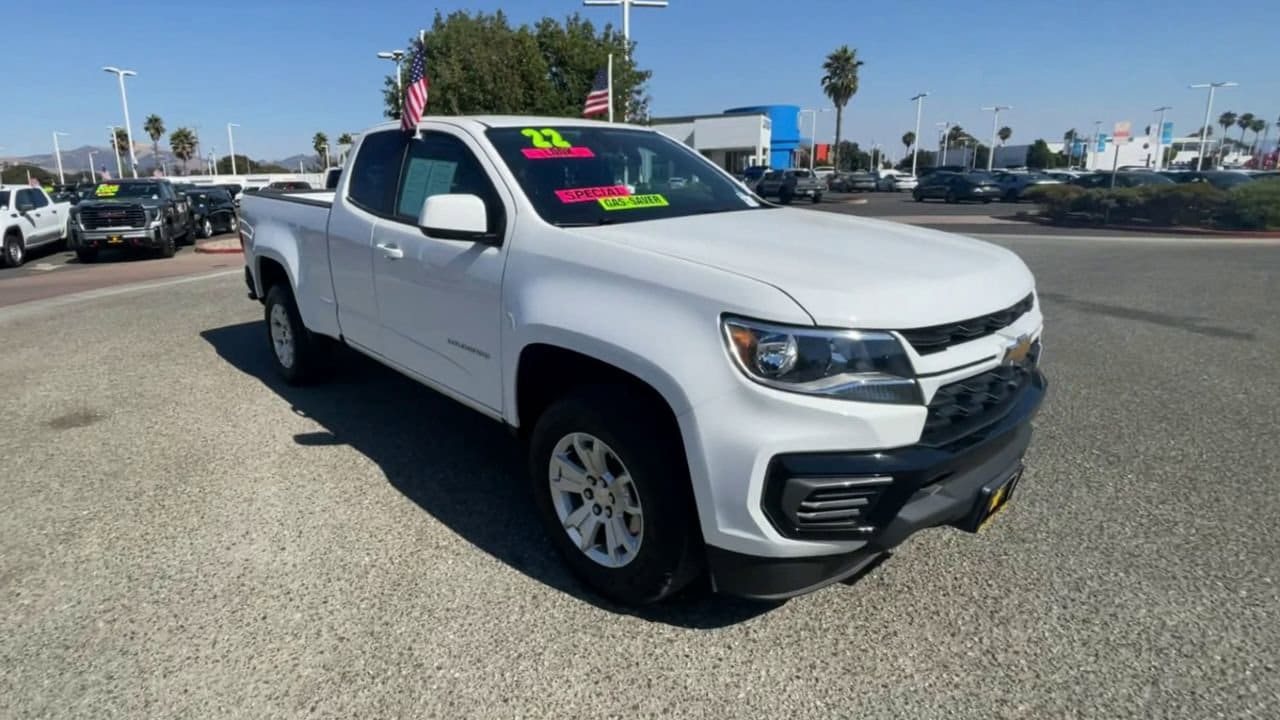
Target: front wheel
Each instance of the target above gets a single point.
(817, 198)
(14, 252)
(612, 489)
(915, 195)
(168, 247)
(951, 197)
(206, 228)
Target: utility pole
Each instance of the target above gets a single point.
(57, 152)
(946, 130)
(231, 141)
(115, 147)
(93, 174)
(1208, 110)
(995, 128)
(124, 100)
(915, 146)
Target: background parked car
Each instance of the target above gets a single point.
(213, 210)
(1223, 180)
(852, 182)
(288, 185)
(1014, 185)
(1123, 180)
(787, 185)
(902, 182)
(954, 187)
(29, 219)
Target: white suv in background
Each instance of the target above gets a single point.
(29, 219)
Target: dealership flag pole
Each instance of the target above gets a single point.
(610, 87)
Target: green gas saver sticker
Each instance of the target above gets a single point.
(631, 202)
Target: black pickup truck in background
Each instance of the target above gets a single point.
(131, 214)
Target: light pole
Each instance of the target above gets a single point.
(995, 128)
(124, 100)
(115, 149)
(57, 152)
(915, 146)
(946, 129)
(395, 56)
(93, 174)
(1160, 134)
(1208, 110)
(1093, 145)
(232, 143)
(626, 14)
(813, 131)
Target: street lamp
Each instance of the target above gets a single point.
(813, 131)
(115, 149)
(1160, 134)
(57, 152)
(124, 100)
(1208, 110)
(915, 146)
(395, 56)
(93, 174)
(995, 128)
(232, 143)
(626, 14)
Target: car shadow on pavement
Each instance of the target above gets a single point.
(465, 470)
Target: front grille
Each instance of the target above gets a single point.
(93, 218)
(940, 337)
(968, 405)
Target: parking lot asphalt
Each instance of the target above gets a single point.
(183, 535)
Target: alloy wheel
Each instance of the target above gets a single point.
(282, 335)
(596, 500)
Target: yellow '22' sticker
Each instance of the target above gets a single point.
(631, 202)
(545, 138)
(106, 190)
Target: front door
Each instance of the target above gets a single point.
(440, 300)
(34, 228)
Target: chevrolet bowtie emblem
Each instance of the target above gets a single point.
(1017, 351)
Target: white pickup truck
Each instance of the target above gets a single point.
(28, 220)
(706, 383)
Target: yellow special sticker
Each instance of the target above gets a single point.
(106, 190)
(631, 202)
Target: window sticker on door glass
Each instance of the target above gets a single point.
(422, 179)
(632, 202)
(748, 200)
(587, 194)
(547, 144)
(107, 190)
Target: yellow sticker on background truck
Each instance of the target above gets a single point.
(106, 190)
(631, 202)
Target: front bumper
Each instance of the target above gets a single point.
(926, 487)
(124, 237)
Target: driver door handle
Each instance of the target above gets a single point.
(390, 250)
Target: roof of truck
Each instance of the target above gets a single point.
(482, 122)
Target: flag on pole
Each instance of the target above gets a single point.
(414, 103)
(598, 100)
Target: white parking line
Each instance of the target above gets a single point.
(45, 267)
(35, 307)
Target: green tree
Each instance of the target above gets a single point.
(1040, 156)
(957, 135)
(154, 127)
(1244, 122)
(848, 156)
(183, 144)
(840, 83)
(1004, 134)
(120, 145)
(222, 165)
(908, 139)
(320, 143)
(345, 139)
(479, 63)
(1259, 136)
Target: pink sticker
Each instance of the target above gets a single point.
(587, 194)
(552, 153)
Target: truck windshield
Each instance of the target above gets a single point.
(581, 175)
(126, 190)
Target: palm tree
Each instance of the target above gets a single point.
(1244, 122)
(957, 135)
(345, 139)
(154, 127)
(1004, 134)
(320, 142)
(183, 144)
(121, 143)
(908, 139)
(840, 83)
(1257, 126)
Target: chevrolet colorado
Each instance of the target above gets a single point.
(29, 218)
(706, 383)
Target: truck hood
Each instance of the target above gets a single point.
(844, 271)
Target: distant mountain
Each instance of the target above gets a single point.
(77, 159)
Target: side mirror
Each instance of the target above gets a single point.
(454, 217)
(25, 207)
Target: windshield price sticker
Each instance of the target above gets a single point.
(587, 194)
(631, 202)
(548, 144)
(106, 190)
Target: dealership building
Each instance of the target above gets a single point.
(740, 137)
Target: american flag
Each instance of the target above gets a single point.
(598, 99)
(415, 93)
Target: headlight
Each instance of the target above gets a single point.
(868, 366)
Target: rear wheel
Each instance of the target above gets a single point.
(951, 197)
(915, 195)
(233, 224)
(168, 247)
(14, 251)
(298, 354)
(206, 228)
(612, 488)
(817, 198)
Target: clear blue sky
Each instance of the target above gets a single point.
(284, 69)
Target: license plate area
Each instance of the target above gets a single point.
(992, 498)
(115, 240)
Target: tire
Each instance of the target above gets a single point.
(86, 255)
(206, 229)
(14, 251)
(817, 198)
(636, 443)
(1010, 197)
(951, 197)
(298, 356)
(168, 247)
(785, 197)
(233, 224)
(915, 195)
